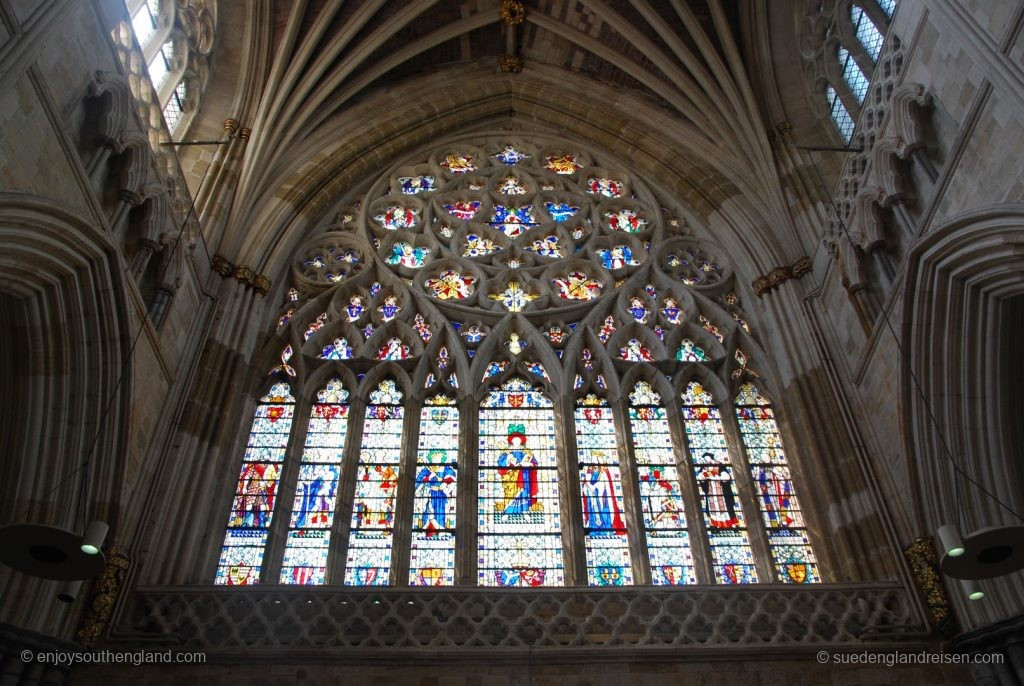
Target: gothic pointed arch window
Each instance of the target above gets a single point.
(604, 519)
(522, 431)
(852, 73)
(255, 496)
(720, 504)
(867, 33)
(176, 38)
(661, 497)
(780, 510)
(432, 561)
(377, 470)
(853, 45)
(519, 538)
(308, 542)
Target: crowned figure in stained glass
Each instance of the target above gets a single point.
(517, 467)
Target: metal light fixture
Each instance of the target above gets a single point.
(92, 539)
(972, 589)
(48, 552)
(69, 591)
(949, 539)
(988, 553)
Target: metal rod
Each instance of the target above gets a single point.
(829, 148)
(196, 142)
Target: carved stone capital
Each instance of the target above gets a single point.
(262, 284)
(779, 276)
(244, 274)
(801, 267)
(221, 264)
(761, 285)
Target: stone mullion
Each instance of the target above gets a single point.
(756, 532)
(632, 502)
(277, 537)
(467, 498)
(574, 552)
(401, 531)
(341, 528)
(700, 546)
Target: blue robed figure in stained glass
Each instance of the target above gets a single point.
(433, 480)
(518, 476)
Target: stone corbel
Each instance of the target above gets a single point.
(221, 265)
(260, 283)
(780, 275)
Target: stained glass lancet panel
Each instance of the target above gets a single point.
(787, 534)
(888, 6)
(668, 543)
(607, 548)
(373, 515)
(432, 561)
(867, 32)
(519, 528)
(253, 505)
(732, 558)
(309, 530)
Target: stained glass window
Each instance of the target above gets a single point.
(661, 501)
(732, 558)
(309, 531)
(787, 533)
(888, 6)
(373, 515)
(432, 561)
(252, 508)
(867, 32)
(520, 541)
(855, 78)
(842, 118)
(604, 524)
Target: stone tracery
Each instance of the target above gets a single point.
(496, 262)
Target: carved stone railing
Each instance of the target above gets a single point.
(342, 622)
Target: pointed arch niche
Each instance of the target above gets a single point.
(513, 416)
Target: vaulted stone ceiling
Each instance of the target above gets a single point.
(347, 86)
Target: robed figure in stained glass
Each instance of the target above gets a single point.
(517, 467)
(317, 500)
(775, 491)
(433, 481)
(719, 499)
(600, 507)
(256, 502)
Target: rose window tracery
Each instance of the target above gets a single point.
(483, 282)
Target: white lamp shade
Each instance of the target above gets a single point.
(92, 539)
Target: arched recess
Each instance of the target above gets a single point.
(965, 286)
(64, 307)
